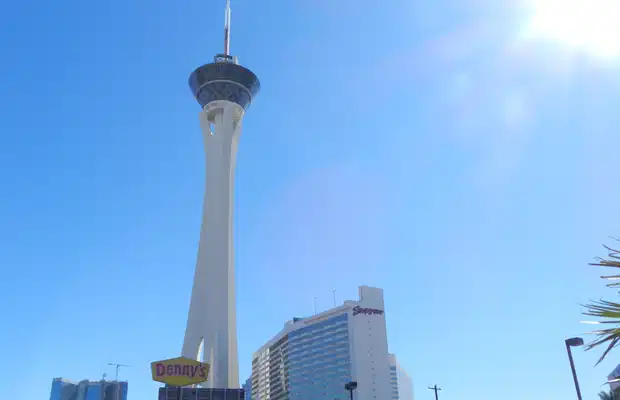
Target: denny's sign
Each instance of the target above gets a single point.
(180, 371)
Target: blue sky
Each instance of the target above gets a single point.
(451, 152)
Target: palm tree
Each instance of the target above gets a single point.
(608, 312)
(608, 396)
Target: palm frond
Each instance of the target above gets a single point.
(607, 312)
(611, 395)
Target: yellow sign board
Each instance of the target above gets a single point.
(180, 371)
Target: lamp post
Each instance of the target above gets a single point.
(118, 384)
(351, 386)
(574, 342)
(117, 367)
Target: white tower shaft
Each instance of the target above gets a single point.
(212, 319)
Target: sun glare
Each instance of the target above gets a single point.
(591, 26)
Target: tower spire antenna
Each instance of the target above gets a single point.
(227, 29)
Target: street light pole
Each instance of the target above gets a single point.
(351, 386)
(118, 384)
(117, 367)
(436, 389)
(574, 342)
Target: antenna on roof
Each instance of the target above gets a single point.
(227, 29)
(314, 303)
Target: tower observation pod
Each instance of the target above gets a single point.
(224, 89)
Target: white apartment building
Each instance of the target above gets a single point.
(400, 382)
(313, 358)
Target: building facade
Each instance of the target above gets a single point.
(247, 389)
(313, 358)
(189, 393)
(63, 389)
(400, 382)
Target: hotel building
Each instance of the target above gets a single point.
(313, 358)
(400, 381)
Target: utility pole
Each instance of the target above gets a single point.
(436, 389)
(117, 367)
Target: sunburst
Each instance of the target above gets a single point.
(589, 26)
